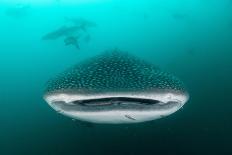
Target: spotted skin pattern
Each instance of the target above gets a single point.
(113, 71)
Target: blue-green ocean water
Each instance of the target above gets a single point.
(190, 38)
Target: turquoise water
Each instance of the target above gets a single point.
(191, 39)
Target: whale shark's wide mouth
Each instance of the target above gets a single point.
(114, 104)
(116, 100)
(116, 109)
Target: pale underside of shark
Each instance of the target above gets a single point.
(115, 88)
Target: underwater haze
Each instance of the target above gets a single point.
(191, 39)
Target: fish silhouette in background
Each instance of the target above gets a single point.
(114, 88)
(73, 32)
(64, 31)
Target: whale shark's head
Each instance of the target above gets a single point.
(115, 87)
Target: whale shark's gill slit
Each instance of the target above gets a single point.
(115, 100)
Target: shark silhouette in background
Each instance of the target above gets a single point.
(72, 33)
(63, 31)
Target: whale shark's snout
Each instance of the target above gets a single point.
(115, 87)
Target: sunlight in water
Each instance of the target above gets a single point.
(46, 2)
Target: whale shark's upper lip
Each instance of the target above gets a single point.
(117, 107)
(97, 99)
(116, 100)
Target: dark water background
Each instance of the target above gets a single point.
(191, 39)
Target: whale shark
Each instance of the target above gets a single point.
(115, 87)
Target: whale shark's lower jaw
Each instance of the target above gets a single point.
(115, 110)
